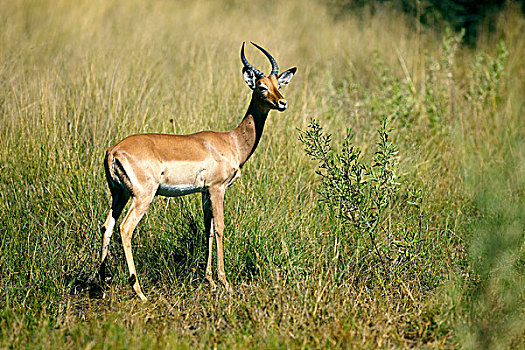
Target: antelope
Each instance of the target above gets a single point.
(143, 166)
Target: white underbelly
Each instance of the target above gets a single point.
(177, 190)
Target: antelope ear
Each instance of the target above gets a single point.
(249, 77)
(285, 77)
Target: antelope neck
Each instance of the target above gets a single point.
(250, 130)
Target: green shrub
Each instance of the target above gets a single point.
(362, 193)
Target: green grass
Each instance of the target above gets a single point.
(76, 78)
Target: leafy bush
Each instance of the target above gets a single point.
(361, 194)
(378, 199)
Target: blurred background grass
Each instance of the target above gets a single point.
(78, 77)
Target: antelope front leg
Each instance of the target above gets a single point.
(209, 229)
(217, 200)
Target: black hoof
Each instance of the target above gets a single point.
(132, 279)
(102, 276)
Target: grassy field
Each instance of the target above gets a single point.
(442, 266)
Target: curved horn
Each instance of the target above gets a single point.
(257, 72)
(275, 67)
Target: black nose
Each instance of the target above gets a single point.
(281, 105)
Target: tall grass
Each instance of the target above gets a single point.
(76, 78)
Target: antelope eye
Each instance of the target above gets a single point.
(263, 88)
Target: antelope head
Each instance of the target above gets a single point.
(266, 87)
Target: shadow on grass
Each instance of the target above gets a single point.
(80, 282)
(166, 250)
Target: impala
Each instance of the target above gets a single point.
(145, 165)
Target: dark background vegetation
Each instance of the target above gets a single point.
(469, 15)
